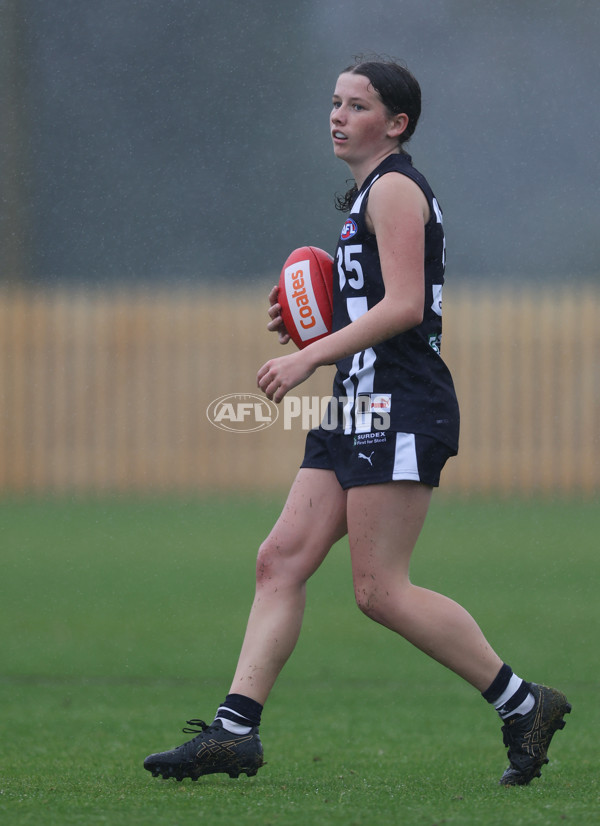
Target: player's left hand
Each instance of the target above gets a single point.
(277, 376)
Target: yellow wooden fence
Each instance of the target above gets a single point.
(107, 392)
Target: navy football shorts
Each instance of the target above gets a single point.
(376, 457)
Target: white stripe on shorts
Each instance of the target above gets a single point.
(405, 458)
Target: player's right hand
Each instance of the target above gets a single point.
(276, 324)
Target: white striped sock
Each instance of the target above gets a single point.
(230, 725)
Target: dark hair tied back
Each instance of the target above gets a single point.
(400, 93)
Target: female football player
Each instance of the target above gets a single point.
(372, 477)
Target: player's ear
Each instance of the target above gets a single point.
(398, 124)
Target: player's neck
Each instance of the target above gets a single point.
(361, 171)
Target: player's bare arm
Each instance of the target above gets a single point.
(397, 212)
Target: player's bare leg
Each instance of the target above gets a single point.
(312, 520)
(314, 517)
(384, 523)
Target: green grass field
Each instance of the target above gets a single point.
(122, 619)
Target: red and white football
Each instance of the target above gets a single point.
(306, 295)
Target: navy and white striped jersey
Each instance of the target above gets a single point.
(401, 384)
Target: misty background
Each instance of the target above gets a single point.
(187, 141)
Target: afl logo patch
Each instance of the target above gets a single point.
(348, 230)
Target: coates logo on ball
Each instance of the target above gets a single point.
(242, 412)
(305, 295)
